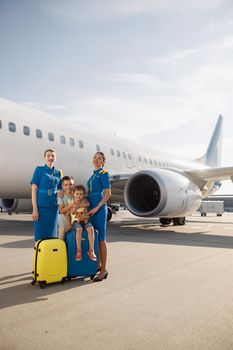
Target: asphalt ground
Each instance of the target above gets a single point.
(168, 288)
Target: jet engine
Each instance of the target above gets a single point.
(161, 193)
(16, 205)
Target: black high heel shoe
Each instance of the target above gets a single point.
(99, 279)
(92, 276)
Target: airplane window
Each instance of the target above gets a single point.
(12, 127)
(0, 124)
(118, 153)
(124, 155)
(145, 160)
(51, 136)
(129, 156)
(150, 161)
(139, 158)
(72, 143)
(62, 139)
(98, 148)
(26, 130)
(112, 151)
(81, 145)
(38, 133)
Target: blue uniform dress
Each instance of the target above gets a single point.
(97, 183)
(48, 182)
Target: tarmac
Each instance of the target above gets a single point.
(168, 288)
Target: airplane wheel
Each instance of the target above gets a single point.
(165, 221)
(179, 221)
(109, 215)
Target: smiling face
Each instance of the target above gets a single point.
(78, 195)
(98, 160)
(68, 186)
(50, 158)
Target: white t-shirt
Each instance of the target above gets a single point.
(64, 202)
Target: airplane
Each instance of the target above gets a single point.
(149, 182)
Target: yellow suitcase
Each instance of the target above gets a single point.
(49, 262)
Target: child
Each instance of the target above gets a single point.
(65, 204)
(78, 215)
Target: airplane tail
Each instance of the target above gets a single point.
(213, 154)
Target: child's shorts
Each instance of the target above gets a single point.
(77, 224)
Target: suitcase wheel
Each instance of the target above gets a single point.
(33, 282)
(92, 277)
(63, 280)
(42, 284)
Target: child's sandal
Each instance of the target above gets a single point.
(78, 256)
(92, 255)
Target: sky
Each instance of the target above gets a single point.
(155, 71)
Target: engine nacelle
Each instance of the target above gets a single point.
(16, 205)
(161, 193)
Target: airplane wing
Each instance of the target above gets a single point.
(207, 174)
(119, 181)
(199, 176)
(212, 174)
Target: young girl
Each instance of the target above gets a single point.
(65, 203)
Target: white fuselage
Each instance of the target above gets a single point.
(21, 153)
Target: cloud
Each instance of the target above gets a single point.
(162, 94)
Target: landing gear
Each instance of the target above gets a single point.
(179, 221)
(112, 209)
(109, 214)
(165, 221)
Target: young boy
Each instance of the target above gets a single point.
(77, 216)
(65, 204)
